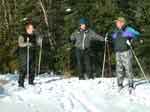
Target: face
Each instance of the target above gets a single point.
(120, 24)
(30, 29)
(82, 26)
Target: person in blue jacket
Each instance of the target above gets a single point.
(121, 38)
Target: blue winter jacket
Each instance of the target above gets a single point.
(120, 37)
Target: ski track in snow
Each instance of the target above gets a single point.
(55, 94)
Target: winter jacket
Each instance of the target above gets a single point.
(34, 41)
(22, 41)
(82, 39)
(120, 38)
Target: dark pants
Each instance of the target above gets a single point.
(83, 63)
(23, 69)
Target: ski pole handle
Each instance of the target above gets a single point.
(27, 39)
(106, 37)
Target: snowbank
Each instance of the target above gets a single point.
(55, 94)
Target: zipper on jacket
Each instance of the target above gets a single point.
(83, 41)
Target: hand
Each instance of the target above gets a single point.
(39, 42)
(106, 39)
(128, 43)
(68, 49)
(141, 41)
(28, 44)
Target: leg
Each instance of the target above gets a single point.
(119, 70)
(127, 62)
(22, 70)
(79, 63)
(21, 79)
(32, 68)
(87, 63)
(31, 78)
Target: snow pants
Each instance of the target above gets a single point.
(124, 67)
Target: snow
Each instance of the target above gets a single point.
(55, 94)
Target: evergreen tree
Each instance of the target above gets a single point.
(58, 52)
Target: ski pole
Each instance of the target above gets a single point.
(109, 65)
(28, 51)
(104, 57)
(109, 60)
(138, 62)
(40, 57)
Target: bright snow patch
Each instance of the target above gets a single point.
(55, 94)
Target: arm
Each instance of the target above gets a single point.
(95, 36)
(131, 33)
(73, 38)
(39, 39)
(21, 42)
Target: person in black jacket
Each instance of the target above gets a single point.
(23, 44)
(82, 41)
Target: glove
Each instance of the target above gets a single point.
(39, 41)
(28, 44)
(128, 43)
(68, 49)
(106, 37)
(141, 41)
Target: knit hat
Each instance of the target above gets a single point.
(84, 21)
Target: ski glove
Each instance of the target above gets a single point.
(128, 43)
(22, 43)
(39, 41)
(29, 44)
(106, 37)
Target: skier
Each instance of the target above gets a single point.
(82, 38)
(121, 38)
(23, 44)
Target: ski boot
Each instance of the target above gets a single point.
(120, 87)
(131, 88)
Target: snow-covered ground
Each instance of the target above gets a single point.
(56, 94)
